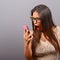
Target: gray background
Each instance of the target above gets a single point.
(13, 15)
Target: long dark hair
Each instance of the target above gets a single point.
(47, 25)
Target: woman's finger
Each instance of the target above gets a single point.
(29, 36)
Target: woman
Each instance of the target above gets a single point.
(43, 42)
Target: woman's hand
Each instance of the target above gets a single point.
(28, 36)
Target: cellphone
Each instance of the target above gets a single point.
(25, 27)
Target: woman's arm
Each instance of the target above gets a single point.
(28, 51)
(58, 34)
(27, 45)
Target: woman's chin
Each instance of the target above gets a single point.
(36, 25)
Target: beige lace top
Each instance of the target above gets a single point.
(45, 50)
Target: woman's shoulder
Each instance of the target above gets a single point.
(58, 32)
(58, 29)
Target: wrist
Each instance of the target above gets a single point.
(26, 43)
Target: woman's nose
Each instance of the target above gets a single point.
(35, 21)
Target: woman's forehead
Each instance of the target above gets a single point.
(36, 14)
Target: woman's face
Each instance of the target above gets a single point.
(36, 19)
